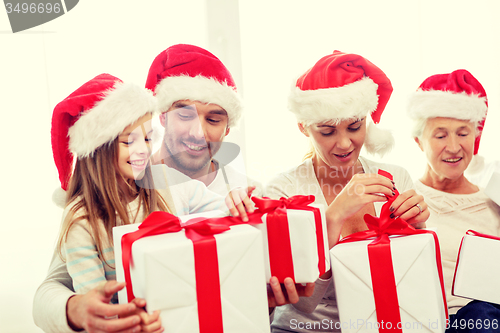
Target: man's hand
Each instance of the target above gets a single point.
(288, 292)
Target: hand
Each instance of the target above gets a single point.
(150, 323)
(406, 206)
(239, 203)
(289, 292)
(361, 190)
(92, 311)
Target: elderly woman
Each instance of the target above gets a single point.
(332, 102)
(449, 111)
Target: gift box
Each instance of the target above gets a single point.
(477, 270)
(493, 188)
(200, 279)
(389, 278)
(295, 238)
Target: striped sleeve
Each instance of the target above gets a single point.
(84, 265)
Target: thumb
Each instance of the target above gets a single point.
(110, 288)
(250, 189)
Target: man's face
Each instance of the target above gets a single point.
(193, 133)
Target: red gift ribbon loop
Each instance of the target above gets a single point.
(380, 258)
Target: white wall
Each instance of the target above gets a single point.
(409, 40)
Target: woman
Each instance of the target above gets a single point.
(332, 102)
(449, 111)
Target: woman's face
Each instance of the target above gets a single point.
(134, 148)
(338, 145)
(448, 144)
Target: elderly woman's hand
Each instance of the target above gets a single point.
(411, 207)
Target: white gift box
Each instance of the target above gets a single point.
(419, 291)
(303, 242)
(478, 269)
(492, 190)
(164, 275)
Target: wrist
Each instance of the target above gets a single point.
(72, 313)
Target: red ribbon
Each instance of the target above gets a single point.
(471, 233)
(206, 263)
(280, 249)
(380, 258)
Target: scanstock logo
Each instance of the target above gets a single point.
(28, 13)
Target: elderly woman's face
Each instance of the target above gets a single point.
(448, 144)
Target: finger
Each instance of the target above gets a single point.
(250, 190)
(230, 205)
(121, 325)
(308, 290)
(291, 291)
(139, 302)
(242, 212)
(147, 319)
(111, 310)
(409, 206)
(110, 288)
(248, 205)
(375, 189)
(154, 323)
(279, 297)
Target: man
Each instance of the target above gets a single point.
(199, 103)
(200, 110)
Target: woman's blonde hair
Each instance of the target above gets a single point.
(97, 198)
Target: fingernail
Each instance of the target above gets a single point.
(394, 188)
(393, 194)
(288, 283)
(391, 209)
(393, 183)
(391, 216)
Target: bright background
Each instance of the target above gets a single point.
(265, 44)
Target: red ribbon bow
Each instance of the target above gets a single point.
(380, 258)
(280, 248)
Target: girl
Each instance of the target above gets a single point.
(106, 124)
(332, 101)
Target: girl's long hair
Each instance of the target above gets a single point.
(94, 190)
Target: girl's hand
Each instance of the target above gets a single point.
(289, 292)
(412, 208)
(150, 323)
(93, 313)
(239, 203)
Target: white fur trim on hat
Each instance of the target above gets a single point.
(437, 103)
(121, 106)
(378, 140)
(202, 89)
(351, 101)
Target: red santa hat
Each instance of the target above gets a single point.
(93, 115)
(189, 72)
(456, 95)
(343, 86)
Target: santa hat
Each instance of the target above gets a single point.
(456, 95)
(189, 72)
(343, 86)
(93, 115)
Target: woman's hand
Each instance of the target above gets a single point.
(150, 323)
(289, 292)
(411, 207)
(239, 203)
(93, 313)
(361, 190)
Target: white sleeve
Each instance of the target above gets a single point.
(49, 304)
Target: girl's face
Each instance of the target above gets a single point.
(134, 148)
(337, 145)
(448, 144)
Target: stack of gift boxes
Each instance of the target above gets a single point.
(208, 273)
